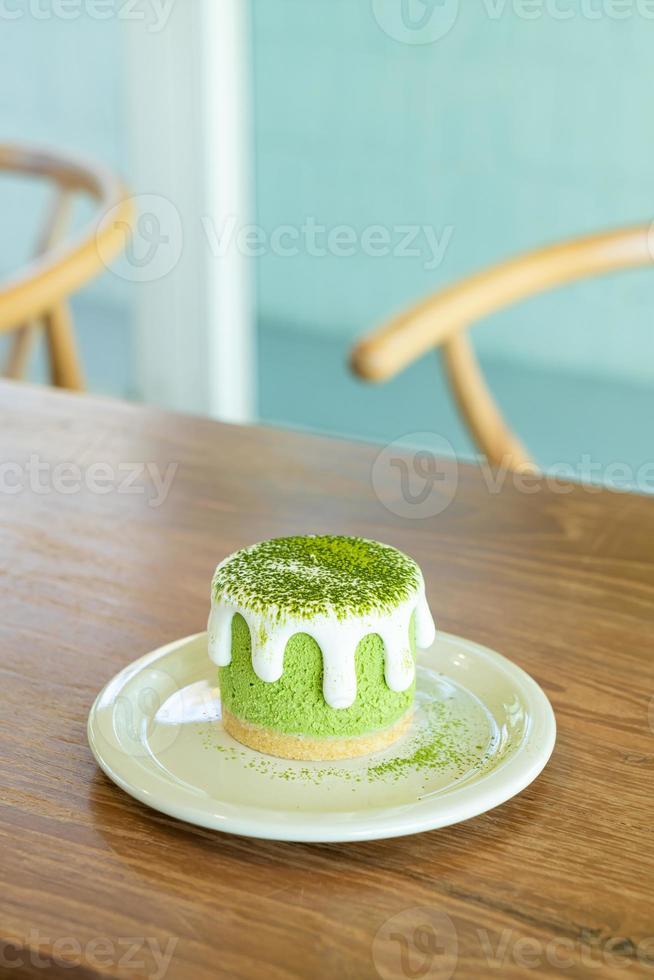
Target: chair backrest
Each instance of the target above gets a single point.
(59, 271)
(441, 320)
(39, 289)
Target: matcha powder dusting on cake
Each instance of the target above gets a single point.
(309, 576)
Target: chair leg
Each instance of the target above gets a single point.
(65, 367)
(64, 363)
(20, 351)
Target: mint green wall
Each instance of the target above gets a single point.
(515, 132)
(62, 86)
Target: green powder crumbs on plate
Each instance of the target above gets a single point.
(440, 742)
(438, 745)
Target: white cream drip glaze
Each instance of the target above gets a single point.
(337, 639)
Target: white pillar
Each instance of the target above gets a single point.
(188, 89)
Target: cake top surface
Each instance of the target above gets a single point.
(312, 575)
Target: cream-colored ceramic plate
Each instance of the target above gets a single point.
(483, 730)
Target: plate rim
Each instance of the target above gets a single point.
(509, 778)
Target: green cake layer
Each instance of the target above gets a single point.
(295, 704)
(317, 575)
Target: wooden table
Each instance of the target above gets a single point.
(557, 881)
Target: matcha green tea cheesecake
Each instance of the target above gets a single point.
(315, 641)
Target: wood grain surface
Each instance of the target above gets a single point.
(557, 882)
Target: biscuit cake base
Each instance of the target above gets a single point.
(310, 749)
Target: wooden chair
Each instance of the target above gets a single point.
(442, 319)
(37, 296)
